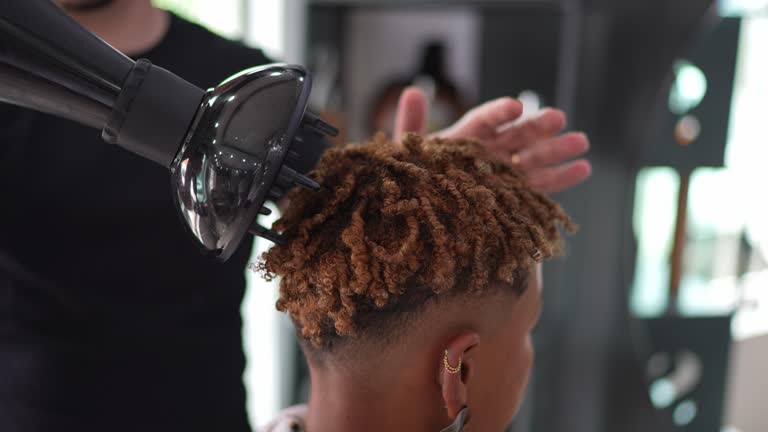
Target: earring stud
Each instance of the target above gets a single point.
(448, 368)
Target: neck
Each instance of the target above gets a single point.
(130, 26)
(343, 402)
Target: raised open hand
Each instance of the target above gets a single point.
(535, 144)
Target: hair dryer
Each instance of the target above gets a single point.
(229, 148)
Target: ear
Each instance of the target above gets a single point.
(454, 385)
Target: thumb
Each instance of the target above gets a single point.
(412, 113)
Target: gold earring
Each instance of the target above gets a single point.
(537, 255)
(450, 369)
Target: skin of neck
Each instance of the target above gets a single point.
(393, 386)
(130, 26)
(343, 400)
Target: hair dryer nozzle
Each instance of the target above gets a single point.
(252, 140)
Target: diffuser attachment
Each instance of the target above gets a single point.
(251, 140)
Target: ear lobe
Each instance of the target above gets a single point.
(454, 372)
(454, 393)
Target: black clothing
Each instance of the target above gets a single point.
(110, 317)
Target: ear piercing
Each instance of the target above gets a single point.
(448, 368)
(537, 255)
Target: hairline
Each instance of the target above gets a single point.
(347, 349)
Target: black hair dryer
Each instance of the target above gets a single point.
(229, 149)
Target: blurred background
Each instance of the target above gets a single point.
(658, 318)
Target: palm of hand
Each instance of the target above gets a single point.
(535, 144)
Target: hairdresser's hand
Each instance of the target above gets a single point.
(535, 144)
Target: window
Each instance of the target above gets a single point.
(725, 263)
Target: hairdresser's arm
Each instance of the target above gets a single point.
(536, 144)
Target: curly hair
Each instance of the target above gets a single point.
(395, 225)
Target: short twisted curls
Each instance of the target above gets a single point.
(395, 225)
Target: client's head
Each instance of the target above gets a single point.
(413, 281)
